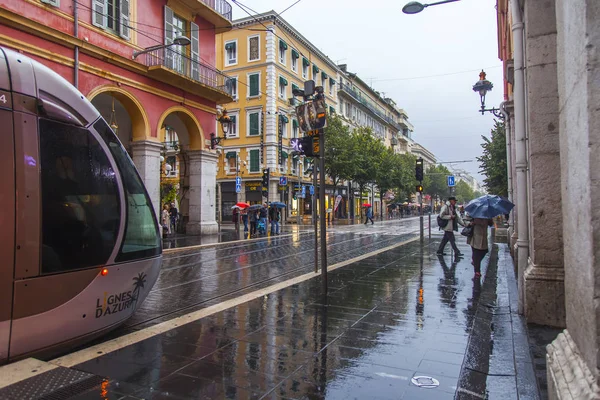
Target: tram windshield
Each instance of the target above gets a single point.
(80, 199)
(141, 231)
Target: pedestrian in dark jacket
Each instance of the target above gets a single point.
(369, 215)
(253, 219)
(479, 242)
(450, 214)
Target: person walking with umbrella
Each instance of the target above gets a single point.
(450, 214)
(368, 214)
(483, 209)
(479, 242)
(253, 218)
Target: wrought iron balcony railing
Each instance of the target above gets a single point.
(348, 89)
(190, 68)
(220, 6)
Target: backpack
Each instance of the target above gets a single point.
(442, 223)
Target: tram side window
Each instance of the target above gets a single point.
(80, 200)
(141, 230)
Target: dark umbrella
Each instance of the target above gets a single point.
(255, 207)
(488, 206)
(277, 204)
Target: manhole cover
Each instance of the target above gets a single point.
(425, 381)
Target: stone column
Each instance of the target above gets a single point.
(146, 157)
(574, 357)
(544, 276)
(202, 194)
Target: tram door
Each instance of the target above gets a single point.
(7, 221)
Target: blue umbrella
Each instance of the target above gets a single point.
(488, 206)
(255, 207)
(277, 204)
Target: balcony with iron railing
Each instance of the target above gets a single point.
(369, 105)
(217, 12)
(169, 66)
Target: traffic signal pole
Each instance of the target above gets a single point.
(421, 215)
(322, 212)
(314, 215)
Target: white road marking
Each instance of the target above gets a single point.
(98, 350)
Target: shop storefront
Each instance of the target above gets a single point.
(254, 192)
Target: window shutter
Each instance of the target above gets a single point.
(124, 30)
(254, 85)
(55, 3)
(253, 124)
(169, 36)
(99, 14)
(254, 164)
(195, 51)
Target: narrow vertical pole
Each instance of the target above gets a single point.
(314, 215)
(421, 214)
(322, 210)
(430, 225)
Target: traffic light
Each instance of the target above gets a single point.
(212, 141)
(265, 179)
(419, 169)
(309, 146)
(419, 188)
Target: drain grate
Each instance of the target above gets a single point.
(425, 381)
(57, 384)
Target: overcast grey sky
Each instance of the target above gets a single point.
(387, 47)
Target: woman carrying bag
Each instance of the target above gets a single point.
(478, 240)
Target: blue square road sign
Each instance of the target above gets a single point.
(451, 182)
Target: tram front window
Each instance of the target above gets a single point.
(141, 231)
(80, 201)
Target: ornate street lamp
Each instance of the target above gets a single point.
(415, 7)
(226, 124)
(482, 86)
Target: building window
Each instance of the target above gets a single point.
(294, 128)
(305, 65)
(331, 83)
(253, 85)
(253, 123)
(233, 130)
(253, 48)
(282, 51)
(282, 87)
(231, 53)
(234, 88)
(232, 163)
(176, 57)
(283, 120)
(254, 161)
(295, 57)
(112, 15)
(295, 166)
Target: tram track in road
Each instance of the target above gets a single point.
(191, 294)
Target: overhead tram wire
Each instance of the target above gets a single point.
(298, 1)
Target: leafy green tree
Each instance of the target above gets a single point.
(367, 152)
(493, 161)
(463, 192)
(435, 183)
(339, 163)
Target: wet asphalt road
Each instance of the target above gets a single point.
(201, 277)
(387, 319)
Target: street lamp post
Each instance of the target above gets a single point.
(482, 86)
(178, 41)
(415, 7)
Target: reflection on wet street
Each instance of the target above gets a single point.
(389, 318)
(200, 277)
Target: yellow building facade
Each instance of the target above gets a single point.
(266, 59)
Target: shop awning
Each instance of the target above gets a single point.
(294, 86)
(230, 154)
(230, 46)
(284, 154)
(315, 69)
(284, 119)
(295, 54)
(283, 81)
(331, 81)
(283, 45)
(324, 76)
(305, 62)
